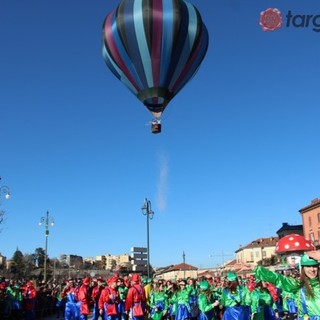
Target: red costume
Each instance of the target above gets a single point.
(84, 298)
(109, 298)
(29, 294)
(95, 296)
(96, 292)
(135, 296)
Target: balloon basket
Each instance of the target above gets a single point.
(155, 128)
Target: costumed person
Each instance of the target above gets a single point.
(181, 299)
(123, 290)
(207, 301)
(59, 302)
(306, 289)
(84, 298)
(289, 305)
(29, 294)
(262, 303)
(136, 299)
(170, 290)
(193, 299)
(109, 300)
(158, 301)
(14, 294)
(95, 296)
(147, 286)
(235, 298)
(69, 292)
(276, 297)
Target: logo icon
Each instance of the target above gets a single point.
(270, 19)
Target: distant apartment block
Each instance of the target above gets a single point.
(71, 260)
(109, 262)
(139, 260)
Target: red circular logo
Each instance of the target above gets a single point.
(270, 19)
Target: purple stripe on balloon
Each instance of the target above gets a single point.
(114, 52)
(157, 27)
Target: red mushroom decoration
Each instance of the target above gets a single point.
(292, 247)
(294, 243)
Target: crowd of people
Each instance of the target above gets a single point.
(264, 295)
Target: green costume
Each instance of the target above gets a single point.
(123, 290)
(182, 296)
(240, 296)
(293, 285)
(158, 304)
(205, 303)
(260, 299)
(288, 302)
(180, 303)
(14, 294)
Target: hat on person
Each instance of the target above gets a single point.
(204, 285)
(307, 261)
(135, 277)
(112, 280)
(182, 282)
(86, 280)
(231, 276)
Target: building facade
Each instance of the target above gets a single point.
(311, 221)
(257, 251)
(178, 271)
(109, 262)
(287, 229)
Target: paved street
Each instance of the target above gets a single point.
(54, 317)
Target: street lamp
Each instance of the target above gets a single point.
(3, 190)
(146, 211)
(6, 191)
(46, 221)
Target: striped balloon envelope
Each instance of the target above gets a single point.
(154, 47)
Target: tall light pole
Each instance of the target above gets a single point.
(184, 262)
(47, 220)
(4, 190)
(146, 211)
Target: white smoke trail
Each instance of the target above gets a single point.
(163, 183)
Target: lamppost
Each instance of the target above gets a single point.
(5, 190)
(262, 253)
(146, 211)
(47, 220)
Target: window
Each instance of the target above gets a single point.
(310, 222)
(311, 236)
(318, 215)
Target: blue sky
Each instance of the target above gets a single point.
(238, 154)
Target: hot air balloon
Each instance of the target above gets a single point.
(154, 47)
